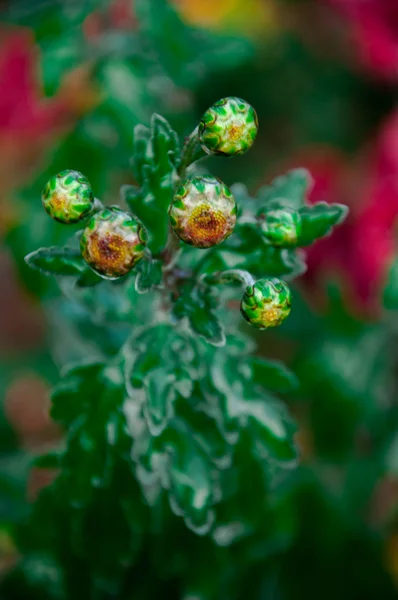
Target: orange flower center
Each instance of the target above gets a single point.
(206, 226)
(111, 252)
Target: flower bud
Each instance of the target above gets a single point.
(228, 128)
(68, 197)
(280, 226)
(203, 212)
(113, 242)
(266, 303)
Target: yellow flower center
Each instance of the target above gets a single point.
(206, 226)
(235, 132)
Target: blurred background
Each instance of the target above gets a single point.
(76, 76)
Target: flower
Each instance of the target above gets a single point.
(280, 226)
(267, 303)
(375, 33)
(68, 197)
(113, 242)
(228, 128)
(203, 212)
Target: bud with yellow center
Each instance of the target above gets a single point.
(228, 128)
(68, 197)
(203, 211)
(266, 303)
(280, 226)
(113, 242)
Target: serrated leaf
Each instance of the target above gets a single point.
(160, 395)
(163, 371)
(56, 261)
(318, 221)
(206, 325)
(191, 488)
(291, 188)
(155, 159)
(242, 407)
(196, 303)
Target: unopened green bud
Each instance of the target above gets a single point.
(266, 303)
(228, 128)
(68, 197)
(280, 226)
(203, 211)
(113, 242)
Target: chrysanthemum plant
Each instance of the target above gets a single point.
(171, 421)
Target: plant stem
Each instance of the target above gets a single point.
(170, 252)
(191, 152)
(231, 276)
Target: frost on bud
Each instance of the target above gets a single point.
(280, 226)
(266, 303)
(113, 242)
(203, 212)
(228, 128)
(68, 197)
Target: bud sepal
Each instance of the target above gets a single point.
(280, 226)
(67, 197)
(228, 128)
(267, 303)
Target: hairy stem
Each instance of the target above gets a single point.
(231, 276)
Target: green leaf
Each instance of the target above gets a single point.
(160, 396)
(243, 407)
(390, 292)
(149, 275)
(88, 278)
(155, 159)
(245, 249)
(71, 396)
(56, 261)
(291, 189)
(162, 367)
(318, 221)
(272, 374)
(271, 430)
(197, 304)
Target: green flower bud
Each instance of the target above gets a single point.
(266, 303)
(113, 242)
(280, 226)
(68, 197)
(203, 212)
(228, 128)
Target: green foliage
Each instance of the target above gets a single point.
(319, 220)
(155, 162)
(166, 417)
(56, 261)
